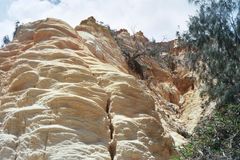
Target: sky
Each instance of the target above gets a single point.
(158, 19)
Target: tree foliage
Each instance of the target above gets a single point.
(6, 39)
(214, 43)
(213, 39)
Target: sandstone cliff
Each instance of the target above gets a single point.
(70, 94)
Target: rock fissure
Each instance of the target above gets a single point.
(18, 142)
(112, 145)
(45, 145)
(16, 155)
(46, 140)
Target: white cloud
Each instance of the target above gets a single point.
(156, 18)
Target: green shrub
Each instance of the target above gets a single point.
(217, 137)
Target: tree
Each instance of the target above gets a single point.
(16, 28)
(132, 54)
(213, 39)
(6, 39)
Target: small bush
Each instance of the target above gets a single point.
(6, 39)
(216, 138)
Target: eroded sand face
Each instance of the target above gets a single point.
(69, 94)
(60, 99)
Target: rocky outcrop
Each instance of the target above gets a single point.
(69, 94)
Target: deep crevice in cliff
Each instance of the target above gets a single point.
(45, 143)
(112, 144)
(16, 147)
